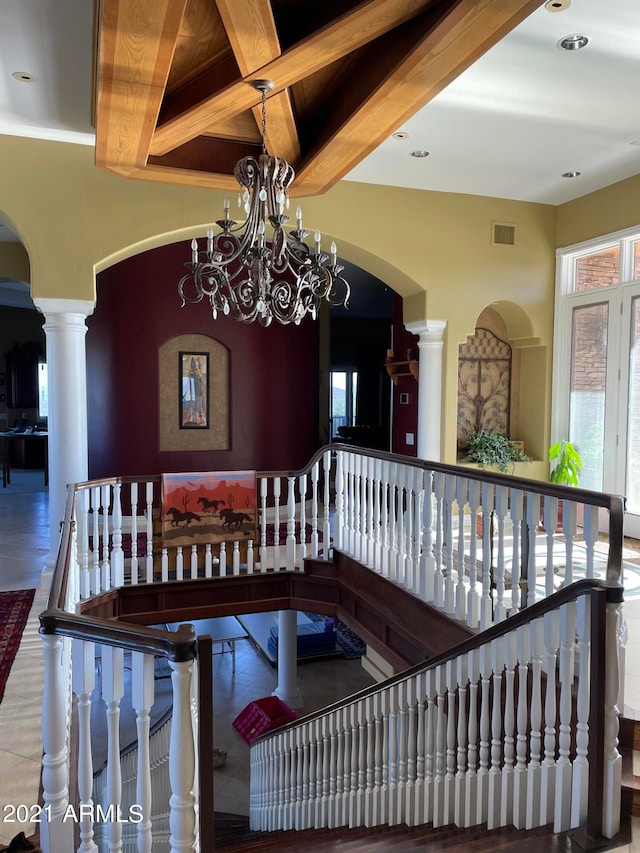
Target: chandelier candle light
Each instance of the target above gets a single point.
(246, 276)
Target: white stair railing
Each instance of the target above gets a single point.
(459, 741)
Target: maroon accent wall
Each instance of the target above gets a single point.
(273, 376)
(405, 416)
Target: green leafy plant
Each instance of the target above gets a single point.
(490, 448)
(568, 463)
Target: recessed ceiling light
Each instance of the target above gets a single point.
(23, 76)
(557, 5)
(400, 134)
(574, 42)
(571, 174)
(420, 153)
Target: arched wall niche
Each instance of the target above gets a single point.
(514, 369)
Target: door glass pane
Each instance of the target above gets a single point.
(588, 384)
(633, 425)
(598, 270)
(636, 261)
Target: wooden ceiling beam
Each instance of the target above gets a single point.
(253, 37)
(451, 46)
(137, 41)
(356, 28)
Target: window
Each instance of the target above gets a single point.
(43, 390)
(344, 392)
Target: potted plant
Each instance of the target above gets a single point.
(492, 449)
(568, 463)
(565, 471)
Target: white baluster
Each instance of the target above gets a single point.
(341, 814)
(429, 750)
(117, 557)
(409, 515)
(516, 507)
(385, 498)
(306, 798)
(502, 508)
(179, 564)
(427, 560)
(276, 523)
(378, 781)
(450, 774)
(486, 603)
(263, 524)
(580, 780)
(569, 528)
(377, 516)
(194, 561)
(149, 515)
(333, 817)
(96, 585)
(106, 563)
(401, 724)
(112, 693)
(548, 775)
(461, 676)
(82, 503)
(393, 754)
(346, 766)
(181, 761)
(235, 558)
(369, 472)
(223, 559)
(590, 535)
(449, 582)
(164, 565)
(83, 677)
(471, 781)
(562, 816)
(439, 816)
(416, 809)
(133, 495)
(462, 489)
(314, 508)
(533, 521)
(370, 762)
(392, 521)
(550, 514)
(56, 833)
(250, 557)
(534, 771)
(438, 579)
(473, 597)
(495, 780)
(612, 759)
(326, 509)
(358, 503)
(412, 752)
(348, 538)
(298, 741)
(290, 547)
(520, 775)
(510, 660)
(142, 697)
(302, 486)
(326, 773)
(319, 818)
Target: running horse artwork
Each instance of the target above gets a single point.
(208, 507)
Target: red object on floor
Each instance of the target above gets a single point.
(262, 716)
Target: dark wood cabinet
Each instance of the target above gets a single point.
(22, 377)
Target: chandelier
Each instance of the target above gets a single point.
(245, 274)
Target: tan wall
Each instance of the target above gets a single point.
(602, 212)
(434, 248)
(14, 263)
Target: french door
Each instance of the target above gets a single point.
(601, 409)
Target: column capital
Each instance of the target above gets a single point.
(430, 331)
(64, 307)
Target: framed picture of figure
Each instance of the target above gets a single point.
(193, 381)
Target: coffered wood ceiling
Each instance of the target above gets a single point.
(173, 100)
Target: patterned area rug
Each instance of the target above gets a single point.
(350, 643)
(14, 611)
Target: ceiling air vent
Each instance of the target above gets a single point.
(503, 233)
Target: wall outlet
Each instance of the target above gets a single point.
(404, 398)
(409, 438)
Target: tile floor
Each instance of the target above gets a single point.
(24, 544)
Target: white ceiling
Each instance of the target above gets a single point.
(509, 126)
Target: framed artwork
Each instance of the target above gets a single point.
(193, 383)
(208, 507)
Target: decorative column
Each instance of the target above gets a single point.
(65, 330)
(287, 688)
(431, 333)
